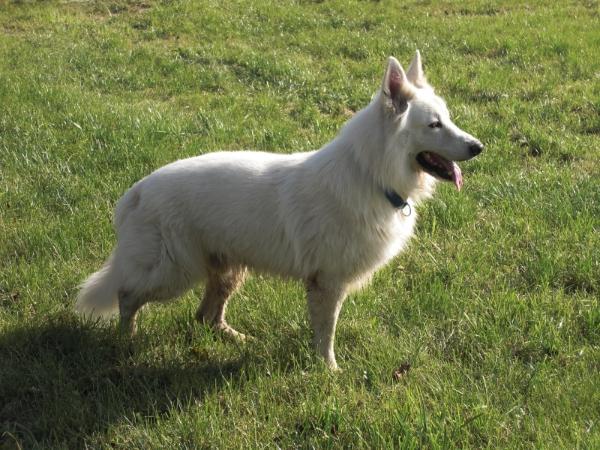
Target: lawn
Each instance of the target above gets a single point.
(485, 333)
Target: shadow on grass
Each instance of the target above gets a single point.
(64, 380)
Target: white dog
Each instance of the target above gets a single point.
(330, 217)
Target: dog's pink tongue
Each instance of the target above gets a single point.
(457, 176)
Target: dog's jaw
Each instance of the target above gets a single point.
(440, 168)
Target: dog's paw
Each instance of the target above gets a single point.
(335, 369)
(332, 366)
(228, 332)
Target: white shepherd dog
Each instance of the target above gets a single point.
(330, 217)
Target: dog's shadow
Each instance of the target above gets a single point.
(65, 380)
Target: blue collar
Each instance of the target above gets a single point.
(398, 202)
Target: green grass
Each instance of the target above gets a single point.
(495, 305)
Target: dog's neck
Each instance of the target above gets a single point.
(358, 180)
(398, 202)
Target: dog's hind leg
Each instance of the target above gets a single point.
(221, 284)
(129, 305)
(324, 305)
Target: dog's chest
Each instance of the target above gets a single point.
(375, 245)
(398, 232)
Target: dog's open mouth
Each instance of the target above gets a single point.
(441, 168)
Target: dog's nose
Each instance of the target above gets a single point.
(475, 148)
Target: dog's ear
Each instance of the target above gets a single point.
(415, 72)
(396, 88)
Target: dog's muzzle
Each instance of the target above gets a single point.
(475, 148)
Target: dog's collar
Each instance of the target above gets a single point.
(398, 202)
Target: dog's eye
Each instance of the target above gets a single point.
(436, 124)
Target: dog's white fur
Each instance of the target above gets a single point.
(321, 216)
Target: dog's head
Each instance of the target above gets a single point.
(419, 124)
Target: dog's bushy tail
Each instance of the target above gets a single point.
(98, 295)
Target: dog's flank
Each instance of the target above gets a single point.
(324, 217)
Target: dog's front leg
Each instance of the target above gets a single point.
(324, 305)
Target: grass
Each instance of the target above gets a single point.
(495, 305)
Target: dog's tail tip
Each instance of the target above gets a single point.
(98, 295)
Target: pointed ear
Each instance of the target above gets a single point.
(415, 72)
(396, 88)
